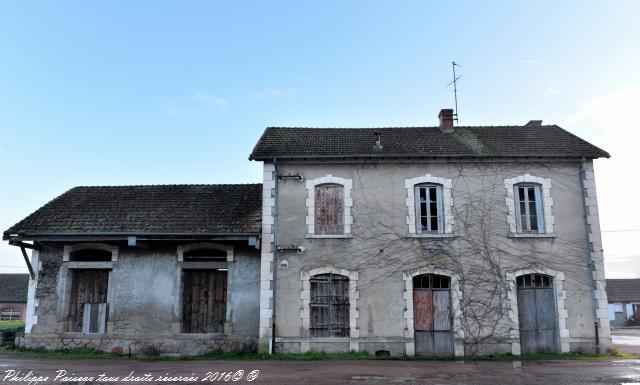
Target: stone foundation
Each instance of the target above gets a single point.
(185, 344)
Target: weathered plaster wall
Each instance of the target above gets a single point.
(381, 248)
(145, 302)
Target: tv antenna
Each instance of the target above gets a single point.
(455, 88)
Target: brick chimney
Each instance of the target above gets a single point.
(446, 120)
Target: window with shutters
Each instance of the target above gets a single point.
(329, 209)
(529, 208)
(429, 208)
(329, 305)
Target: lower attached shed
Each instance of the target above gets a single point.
(144, 269)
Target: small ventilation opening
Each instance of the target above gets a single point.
(205, 255)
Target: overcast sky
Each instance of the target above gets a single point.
(149, 92)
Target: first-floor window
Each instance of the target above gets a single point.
(529, 214)
(329, 305)
(429, 209)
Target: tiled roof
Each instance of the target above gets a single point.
(13, 287)
(492, 141)
(159, 209)
(623, 290)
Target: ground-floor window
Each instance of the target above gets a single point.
(204, 301)
(88, 301)
(329, 305)
(9, 314)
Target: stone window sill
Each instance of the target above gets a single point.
(432, 236)
(341, 236)
(526, 235)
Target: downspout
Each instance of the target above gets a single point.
(589, 261)
(275, 257)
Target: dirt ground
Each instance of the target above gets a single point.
(320, 372)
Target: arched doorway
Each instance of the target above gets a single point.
(432, 315)
(537, 314)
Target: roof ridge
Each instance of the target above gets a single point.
(171, 185)
(400, 127)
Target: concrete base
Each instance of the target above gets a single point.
(183, 344)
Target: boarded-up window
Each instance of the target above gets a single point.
(329, 305)
(529, 209)
(329, 209)
(204, 306)
(429, 216)
(88, 301)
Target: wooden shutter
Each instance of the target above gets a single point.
(87, 310)
(329, 209)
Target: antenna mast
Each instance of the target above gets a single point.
(455, 88)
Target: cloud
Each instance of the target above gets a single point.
(268, 93)
(211, 101)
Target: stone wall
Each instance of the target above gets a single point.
(382, 247)
(145, 302)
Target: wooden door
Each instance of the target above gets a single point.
(329, 306)
(432, 315)
(537, 314)
(204, 306)
(88, 301)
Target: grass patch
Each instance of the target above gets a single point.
(87, 353)
(11, 326)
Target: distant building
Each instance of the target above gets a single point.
(624, 299)
(13, 296)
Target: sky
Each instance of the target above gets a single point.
(170, 92)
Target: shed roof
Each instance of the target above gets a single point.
(155, 209)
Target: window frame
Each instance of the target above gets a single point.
(310, 220)
(539, 207)
(439, 208)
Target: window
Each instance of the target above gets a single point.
(329, 305)
(9, 314)
(329, 209)
(529, 208)
(529, 281)
(429, 216)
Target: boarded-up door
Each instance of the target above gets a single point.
(88, 301)
(204, 306)
(329, 306)
(432, 315)
(537, 314)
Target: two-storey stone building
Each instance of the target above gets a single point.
(430, 240)
(420, 240)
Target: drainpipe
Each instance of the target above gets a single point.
(589, 261)
(275, 257)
